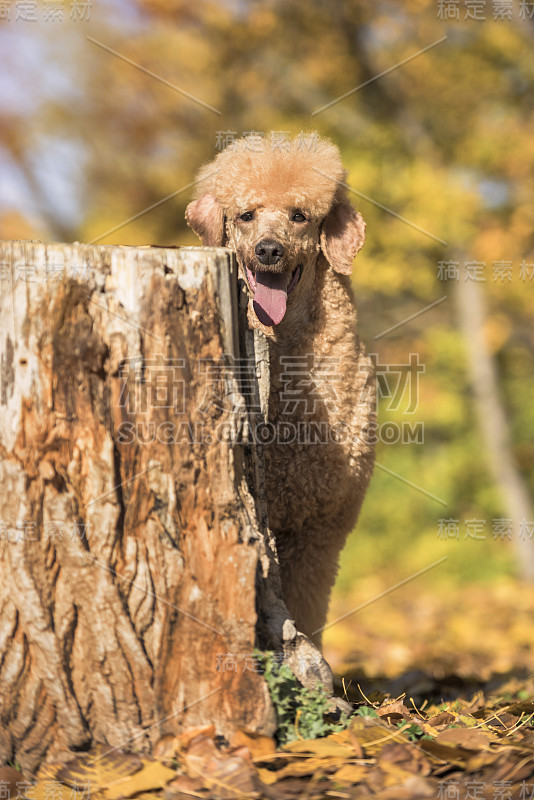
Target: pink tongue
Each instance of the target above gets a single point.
(270, 297)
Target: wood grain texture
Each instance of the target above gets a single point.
(129, 544)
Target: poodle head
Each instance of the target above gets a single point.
(278, 204)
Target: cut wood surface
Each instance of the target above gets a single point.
(135, 555)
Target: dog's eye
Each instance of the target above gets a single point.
(248, 216)
(298, 216)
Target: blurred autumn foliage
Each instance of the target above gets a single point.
(441, 159)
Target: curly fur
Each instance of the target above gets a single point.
(321, 379)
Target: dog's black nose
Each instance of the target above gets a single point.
(269, 252)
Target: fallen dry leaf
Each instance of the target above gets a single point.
(187, 736)
(258, 746)
(311, 766)
(234, 776)
(50, 788)
(320, 747)
(372, 736)
(230, 775)
(166, 747)
(183, 783)
(442, 719)
(447, 753)
(467, 738)
(13, 783)
(267, 776)
(350, 773)
(396, 708)
(407, 756)
(153, 775)
(99, 769)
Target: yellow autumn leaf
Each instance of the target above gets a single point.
(320, 747)
(49, 771)
(373, 736)
(153, 776)
(99, 768)
(259, 746)
(267, 776)
(49, 787)
(351, 773)
(310, 766)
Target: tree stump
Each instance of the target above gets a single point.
(138, 571)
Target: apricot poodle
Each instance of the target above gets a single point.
(282, 207)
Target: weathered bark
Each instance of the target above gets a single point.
(134, 568)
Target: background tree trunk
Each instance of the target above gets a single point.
(493, 421)
(132, 562)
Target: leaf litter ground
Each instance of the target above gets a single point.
(455, 722)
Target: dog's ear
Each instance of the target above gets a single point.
(205, 216)
(342, 236)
